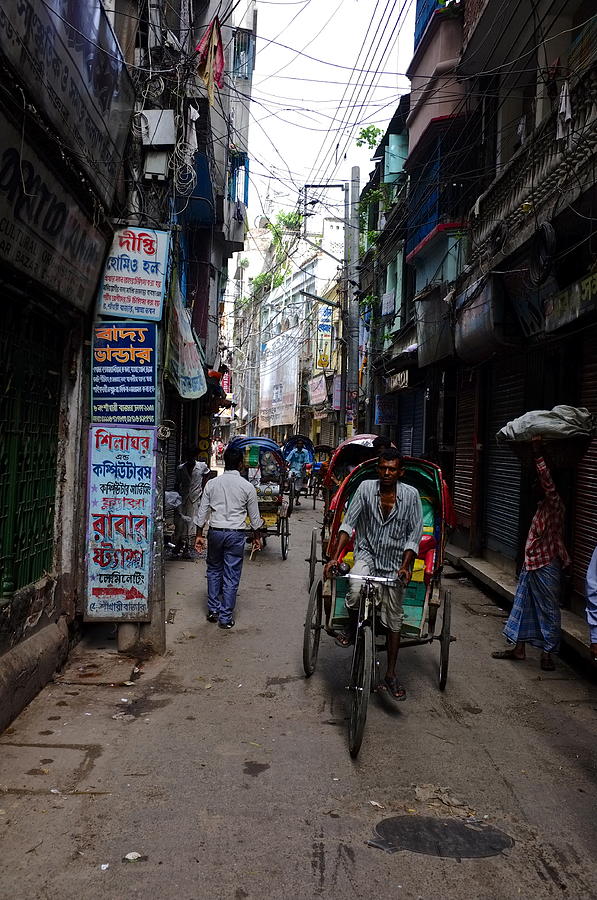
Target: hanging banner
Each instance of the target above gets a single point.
(184, 361)
(278, 378)
(318, 392)
(124, 373)
(134, 279)
(385, 409)
(120, 517)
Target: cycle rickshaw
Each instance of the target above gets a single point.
(290, 445)
(268, 473)
(423, 596)
(322, 455)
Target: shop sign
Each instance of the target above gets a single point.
(337, 392)
(385, 409)
(324, 337)
(120, 517)
(318, 392)
(43, 231)
(66, 54)
(398, 382)
(124, 373)
(570, 304)
(134, 279)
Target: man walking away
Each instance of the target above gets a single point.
(190, 476)
(297, 460)
(227, 501)
(535, 617)
(387, 518)
(592, 603)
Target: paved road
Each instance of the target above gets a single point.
(230, 772)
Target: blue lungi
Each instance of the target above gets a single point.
(225, 553)
(535, 615)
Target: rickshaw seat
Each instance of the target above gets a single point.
(427, 549)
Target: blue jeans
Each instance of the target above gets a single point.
(225, 553)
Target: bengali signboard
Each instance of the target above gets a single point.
(572, 303)
(66, 54)
(43, 231)
(120, 509)
(124, 373)
(134, 279)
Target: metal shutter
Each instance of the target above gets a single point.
(465, 461)
(502, 469)
(174, 448)
(585, 526)
(411, 421)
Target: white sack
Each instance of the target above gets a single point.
(560, 422)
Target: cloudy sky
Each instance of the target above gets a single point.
(309, 106)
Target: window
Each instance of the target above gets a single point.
(244, 53)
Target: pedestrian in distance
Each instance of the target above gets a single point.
(226, 503)
(297, 461)
(535, 617)
(190, 478)
(387, 518)
(591, 610)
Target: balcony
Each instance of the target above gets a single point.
(438, 192)
(544, 170)
(426, 9)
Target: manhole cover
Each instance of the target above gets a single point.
(448, 838)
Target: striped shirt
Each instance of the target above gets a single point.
(381, 542)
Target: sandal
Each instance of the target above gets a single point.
(343, 639)
(507, 654)
(392, 687)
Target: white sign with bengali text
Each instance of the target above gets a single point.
(134, 279)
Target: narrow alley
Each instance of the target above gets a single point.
(228, 772)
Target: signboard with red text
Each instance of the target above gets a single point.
(134, 279)
(120, 517)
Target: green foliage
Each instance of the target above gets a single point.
(369, 137)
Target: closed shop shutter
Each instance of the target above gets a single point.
(585, 524)
(174, 443)
(326, 435)
(465, 449)
(411, 422)
(506, 401)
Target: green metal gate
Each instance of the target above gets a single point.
(31, 350)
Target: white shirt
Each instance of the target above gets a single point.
(190, 484)
(227, 501)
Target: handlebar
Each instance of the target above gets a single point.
(377, 579)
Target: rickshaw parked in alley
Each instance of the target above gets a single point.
(322, 455)
(423, 596)
(267, 471)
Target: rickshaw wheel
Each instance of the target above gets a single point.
(284, 535)
(315, 489)
(360, 688)
(312, 631)
(313, 556)
(444, 641)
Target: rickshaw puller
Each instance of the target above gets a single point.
(387, 517)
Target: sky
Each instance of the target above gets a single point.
(306, 113)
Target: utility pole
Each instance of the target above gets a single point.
(352, 247)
